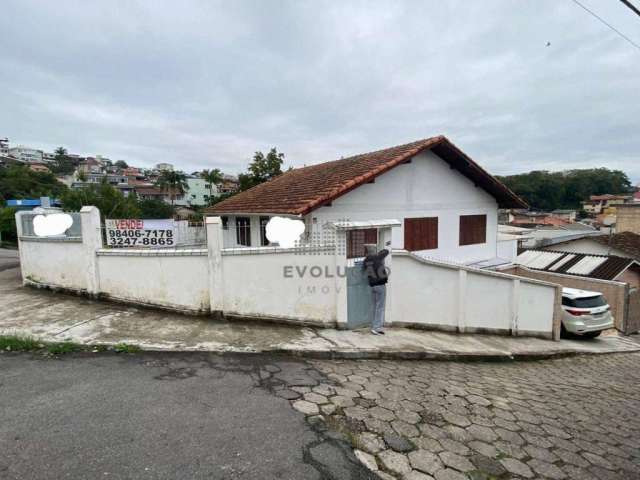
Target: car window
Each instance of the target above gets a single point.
(586, 302)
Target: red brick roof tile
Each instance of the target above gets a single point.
(302, 190)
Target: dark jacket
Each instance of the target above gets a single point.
(373, 265)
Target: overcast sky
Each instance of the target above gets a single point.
(205, 84)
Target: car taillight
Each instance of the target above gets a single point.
(577, 313)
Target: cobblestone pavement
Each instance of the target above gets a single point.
(566, 418)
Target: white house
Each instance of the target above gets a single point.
(447, 204)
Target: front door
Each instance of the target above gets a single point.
(359, 298)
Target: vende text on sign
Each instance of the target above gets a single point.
(134, 232)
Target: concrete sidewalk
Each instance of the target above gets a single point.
(52, 316)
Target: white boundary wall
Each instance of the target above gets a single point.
(288, 285)
(174, 279)
(432, 294)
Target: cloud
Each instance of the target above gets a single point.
(206, 84)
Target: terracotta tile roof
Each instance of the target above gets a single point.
(628, 242)
(302, 190)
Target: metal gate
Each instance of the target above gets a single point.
(632, 323)
(359, 297)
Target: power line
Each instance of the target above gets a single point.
(631, 6)
(607, 24)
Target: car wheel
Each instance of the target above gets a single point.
(592, 334)
(564, 333)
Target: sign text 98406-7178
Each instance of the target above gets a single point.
(133, 232)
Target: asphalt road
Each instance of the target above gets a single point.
(8, 259)
(155, 416)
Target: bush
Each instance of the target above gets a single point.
(8, 232)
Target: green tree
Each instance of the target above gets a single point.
(8, 232)
(19, 182)
(546, 190)
(121, 164)
(62, 164)
(109, 200)
(213, 177)
(174, 183)
(153, 208)
(261, 169)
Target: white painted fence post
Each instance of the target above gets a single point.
(20, 233)
(341, 281)
(91, 243)
(515, 300)
(462, 300)
(215, 243)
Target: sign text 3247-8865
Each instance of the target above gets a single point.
(140, 233)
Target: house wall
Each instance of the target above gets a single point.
(426, 187)
(614, 292)
(430, 294)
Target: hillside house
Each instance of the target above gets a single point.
(447, 204)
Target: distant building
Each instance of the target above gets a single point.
(39, 167)
(48, 157)
(229, 184)
(527, 218)
(26, 154)
(132, 172)
(198, 193)
(628, 218)
(90, 165)
(567, 215)
(164, 166)
(598, 204)
(624, 244)
(4, 147)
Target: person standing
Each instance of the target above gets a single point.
(377, 275)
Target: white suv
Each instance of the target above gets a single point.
(585, 313)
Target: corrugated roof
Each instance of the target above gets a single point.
(603, 267)
(302, 190)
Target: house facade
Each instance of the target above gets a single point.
(447, 204)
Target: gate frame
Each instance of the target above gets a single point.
(384, 227)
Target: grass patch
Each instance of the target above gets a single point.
(14, 343)
(19, 344)
(126, 348)
(64, 347)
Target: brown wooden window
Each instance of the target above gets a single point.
(473, 229)
(263, 231)
(356, 240)
(243, 231)
(420, 233)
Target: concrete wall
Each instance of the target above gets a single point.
(54, 263)
(628, 218)
(615, 292)
(173, 279)
(282, 284)
(426, 187)
(432, 294)
(302, 285)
